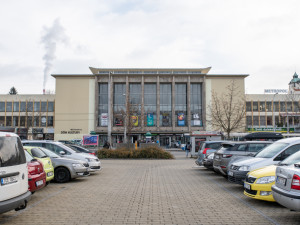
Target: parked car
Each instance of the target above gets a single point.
(14, 192)
(233, 150)
(286, 190)
(66, 169)
(208, 161)
(270, 155)
(66, 142)
(258, 182)
(67, 152)
(41, 156)
(76, 141)
(83, 149)
(207, 147)
(36, 173)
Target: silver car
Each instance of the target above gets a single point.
(206, 148)
(286, 190)
(233, 150)
(271, 155)
(66, 169)
(67, 152)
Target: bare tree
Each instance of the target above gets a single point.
(13, 91)
(227, 110)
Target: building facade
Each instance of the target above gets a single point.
(30, 116)
(169, 104)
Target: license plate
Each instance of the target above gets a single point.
(281, 180)
(247, 186)
(39, 183)
(49, 174)
(230, 173)
(9, 180)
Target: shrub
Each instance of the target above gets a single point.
(151, 152)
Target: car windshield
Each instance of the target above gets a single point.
(49, 153)
(67, 148)
(36, 152)
(79, 148)
(271, 150)
(291, 159)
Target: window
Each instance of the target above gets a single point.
(134, 106)
(43, 106)
(23, 107)
(255, 106)
(286, 153)
(8, 121)
(181, 104)
(22, 121)
(248, 107)
(11, 152)
(241, 148)
(36, 121)
(38, 153)
(2, 120)
(16, 106)
(249, 121)
(15, 121)
(255, 147)
(2, 106)
(165, 117)
(150, 104)
(50, 106)
(50, 121)
(8, 106)
(103, 105)
(36, 106)
(262, 106)
(196, 104)
(119, 98)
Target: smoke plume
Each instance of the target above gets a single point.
(52, 36)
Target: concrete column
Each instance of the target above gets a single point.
(173, 103)
(142, 118)
(188, 116)
(157, 102)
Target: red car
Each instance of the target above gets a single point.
(36, 173)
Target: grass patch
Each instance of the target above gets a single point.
(151, 152)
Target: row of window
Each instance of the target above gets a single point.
(26, 106)
(131, 106)
(26, 121)
(268, 121)
(272, 107)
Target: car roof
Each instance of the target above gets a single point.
(293, 140)
(5, 134)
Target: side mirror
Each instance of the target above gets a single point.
(62, 153)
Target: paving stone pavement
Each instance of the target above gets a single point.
(149, 192)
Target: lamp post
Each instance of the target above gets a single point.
(273, 112)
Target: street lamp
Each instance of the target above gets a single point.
(273, 112)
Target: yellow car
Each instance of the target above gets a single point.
(47, 164)
(258, 183)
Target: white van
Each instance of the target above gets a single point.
(14, 192)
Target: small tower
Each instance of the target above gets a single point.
(294, 85)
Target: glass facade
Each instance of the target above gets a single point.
(134, 107)
(165, 117)
(103, 105)
(150, 105)
(119, 99)
(196, 105)
(181, 104)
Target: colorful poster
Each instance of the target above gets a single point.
(166, 120)
(150, 121)
(118, 121)
(104, 119)
(135, 121)
(196, 120)
(90, 140)
(180, 119)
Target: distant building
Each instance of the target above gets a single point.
(30, 116)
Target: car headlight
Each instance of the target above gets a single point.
(266, 180)
(91, 160)
(76, 165)
(244, 168)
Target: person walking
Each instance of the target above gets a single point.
(187, 149)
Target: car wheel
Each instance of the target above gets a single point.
(62, 175)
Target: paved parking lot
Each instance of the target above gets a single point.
(149, 192)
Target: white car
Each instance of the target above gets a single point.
(65, 151)
(14, 192)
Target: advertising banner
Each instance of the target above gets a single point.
(180, 119)
(90, 140)
(135, 120)
(118, 121)
(104, 119)
(196, 120)
(150, 119)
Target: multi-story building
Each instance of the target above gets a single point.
(274, 112)
(30, 116)
(169, 104)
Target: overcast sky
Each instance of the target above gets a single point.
(256, 37)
